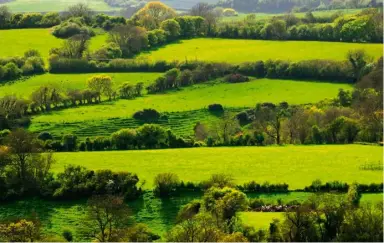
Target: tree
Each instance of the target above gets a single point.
(102, 84)
(206, 11)
(226, 127)
(20, 231)
(165, 184)
(171, 28)
(270, 117)
(5, 16)
(124, 138)
(151, 136)
(354, 195)
(108, 216)
(152, 14)
(131, 39)
(74, 47)
(358, 59)
(79, 10)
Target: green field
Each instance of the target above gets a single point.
(296, 165)
(185, 105)
(238, 51)
(200, 96)
(158, 214)
(16, 41)
(262, 16)
(54, 5)
(70, 81)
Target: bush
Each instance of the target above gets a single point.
(45, 136)
(215, 108)
(236, 78)
(70, 28)
(67, 234)
(265, 187)
(165, 184)
(147, 115)
(256, 203)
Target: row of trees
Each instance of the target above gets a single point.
(366, 26)
(9, 20)
(15, 67)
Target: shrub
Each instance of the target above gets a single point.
(256, 203)
(124, 139)
(147, 115)
(215, 108)
(165, 184)
(152, 136)
(67, 234)
(70, 28)
(236, 78)
(45, 136)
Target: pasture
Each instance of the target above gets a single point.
(183, 107)
(54, 5)
(297, 166)
(158, 214)
(65, 82)
(238, 51)
(265, 16)
(21, 40)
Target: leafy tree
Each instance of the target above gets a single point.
(151, 136)
(108, 216)
(20, 231)
(101, 84)
(124, 138)
(152, 14)
(226, 127)
(79, 10)
(166, 184)
(358, 59)
(171, 28)
(131, 39)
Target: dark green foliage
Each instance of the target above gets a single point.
(215, 108)
(72, 27)
(338, 186)
(266, 187)
(67, 234)
(165, 184)
(45, 136)
(147, 115)
(235, 78)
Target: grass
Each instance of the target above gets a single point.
(200, 96)
(238, 51)
(15, 42)
(158, 214)
(260, 220)
(296, 165)
(184, 108)
(54, 5)
(263, 16)
(64, 82)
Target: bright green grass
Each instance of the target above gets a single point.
(297, 166)
(260, 220)
(262, 16)
(16, 41)
(158, 214)
(200, 96)
(53, 5)
(238, 51)
(70, 81)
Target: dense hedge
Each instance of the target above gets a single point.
(338, 186)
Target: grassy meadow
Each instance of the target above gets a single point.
(262, 16)
(238, 51)
(54, 5)
(296, 165)
(184, 107)
(21, 40)
(158, 214)
(24, 88)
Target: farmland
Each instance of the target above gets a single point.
(54, 5)
(70, 81)
(296, 165)
(233, 51)
(42, 40)
(184, 102)
(159, 214)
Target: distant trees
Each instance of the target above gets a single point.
(102, 84)
(131, 39)
(152, 14)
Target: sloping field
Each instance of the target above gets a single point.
(15, 42)
(296, 165)
(238, 51)
(70, 81)
(200, 96)
(53, 5)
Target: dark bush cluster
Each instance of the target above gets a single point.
(215, 108)
(27, 20)
(147, 115)
(338, 186)
(72, 27)
(235, 78)
(79, 182)
(263, 188)
(15, 67)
